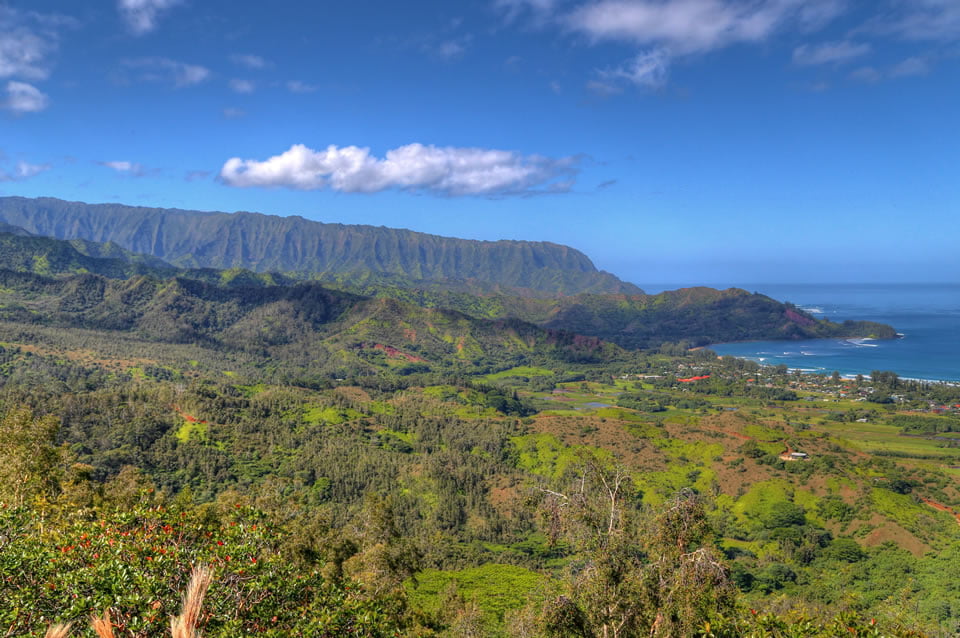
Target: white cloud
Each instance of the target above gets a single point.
(415, 167)
(867, 74)
(296, 86)
(254, 62)
(242, 86)
(22, 171)
(24, 53)
(603, 89)
(24, 98)
(27, 41)
(813, 15)
(167, 71)
(193, 176)
(914, 66)
(937, 20)
(233, 113)
(513, 8)
(910, 67)
(451, 49)
(647, 70)
(127, 168)
(671, 28)
(829, 52)
(141, 15)
(692, 26)
(26, 171)
(536, 5)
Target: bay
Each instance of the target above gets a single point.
(927, 315)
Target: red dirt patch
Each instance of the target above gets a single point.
(189, 418)
(889, 531)
(943, 508)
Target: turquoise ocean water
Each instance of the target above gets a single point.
(928, 316)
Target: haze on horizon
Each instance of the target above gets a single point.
(681, 141)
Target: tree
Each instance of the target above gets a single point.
(635, 575)
(28, 455)
(605, 597)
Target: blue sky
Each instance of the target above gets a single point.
(678, 141)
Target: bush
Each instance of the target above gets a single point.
(783, 514)
(846, 550)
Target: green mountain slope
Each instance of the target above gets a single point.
(292, 244)
(22, 252)
(698, 316)
(300, 326)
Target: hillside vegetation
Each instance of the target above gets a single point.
(696, 316)
(347, 464)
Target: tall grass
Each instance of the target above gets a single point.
(182, 626)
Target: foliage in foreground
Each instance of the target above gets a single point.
(132, 564)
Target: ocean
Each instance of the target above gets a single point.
(927, 315)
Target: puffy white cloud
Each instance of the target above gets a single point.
(141, 15)
(167, 71)
(127, 168)
(24, 98)
(829, 52)
(242, 86)
(23, 170)
(415, 167)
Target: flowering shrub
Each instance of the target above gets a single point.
(134, 564)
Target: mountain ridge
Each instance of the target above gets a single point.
(293, 244)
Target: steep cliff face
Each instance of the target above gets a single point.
(293, 244)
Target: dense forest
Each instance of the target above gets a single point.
(343, 464)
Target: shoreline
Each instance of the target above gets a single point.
(823, 370)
